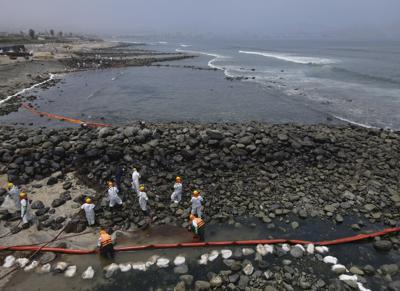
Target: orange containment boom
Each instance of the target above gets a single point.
(205, 244)
(63, 118)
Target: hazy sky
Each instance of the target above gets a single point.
(229, 17)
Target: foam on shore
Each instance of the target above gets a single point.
(52, 76)
(292, 58)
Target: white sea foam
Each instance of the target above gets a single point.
(354, 122)
(212, 61)
(162, 42)
(292, 58)
(52, 76)
(185, 45)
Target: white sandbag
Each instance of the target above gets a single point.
(301, 247)
(125, 267)
(226, 254)
(9, 262)
(286, 248)
(110, 270)
(310, 249)
(61, 267)
(203, 259)
(344, 277)
(70, 272)
(361, 287)
(261, 250)
(179, 260)
(322, 250)
(88, 273)
(330, 260)
(152, 260)
(213, 255)
(162, 262)
(269, 249)
(31, 266)
(247, 251)
(338, 268)
(139, 266)
(44, 269)
(22, 262)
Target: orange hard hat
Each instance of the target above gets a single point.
(191, 217)
(178, 179)
(196, 193)
(22, 195)
(102, 231)
(110, 183)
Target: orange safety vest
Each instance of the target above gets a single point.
(105, 239)
(199, 222)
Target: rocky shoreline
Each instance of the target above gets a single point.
(273, 173)
(257, 170)
(86, 56)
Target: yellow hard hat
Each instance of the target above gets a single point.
(141, 188)
(102, 231)
(191, 217)
(178, 179)
(22, 195)
(10, 185)
(196, 193)
(88, 200)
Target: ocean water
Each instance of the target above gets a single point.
(276, 81)
(357, 82)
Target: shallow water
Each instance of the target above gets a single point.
(163, 94)
(310, 229)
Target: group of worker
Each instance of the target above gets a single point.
(105, 242)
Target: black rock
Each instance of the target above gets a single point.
(37, 204)
(67, 185)
(65, 196)
(52, 181)
(42, 211)
(57, 202)
(383, 245)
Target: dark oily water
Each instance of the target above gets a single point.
(314, 229)
(163, 94)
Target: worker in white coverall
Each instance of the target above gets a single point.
(143, 199)
(135, 180)
(196, 203)
(25, 208)
(88, 206)
(177, 194)
(13, 192)
(113, 195)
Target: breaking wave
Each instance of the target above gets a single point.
(292, 58)
(353, 122)
(211, 62)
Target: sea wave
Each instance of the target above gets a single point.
(354, 122)
(185, 45)
(211, 63)
(292, 58)
(52, 76)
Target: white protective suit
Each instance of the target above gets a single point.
(135, 181)
(143, 200)
(177, 194)
(113, 196)
(196, 206)
(89, 212)
(14, 195)
(25, 211)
